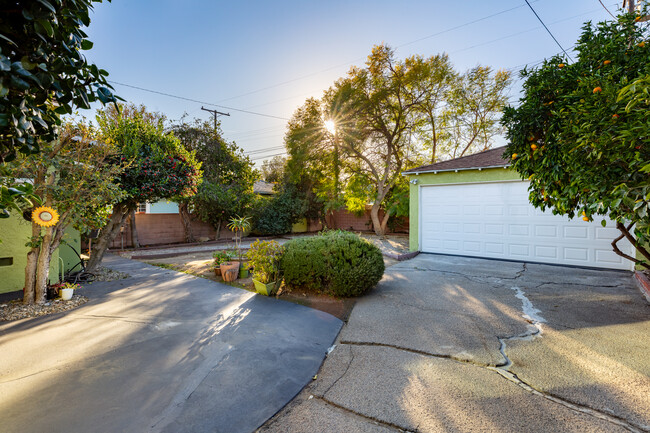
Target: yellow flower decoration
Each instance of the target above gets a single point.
(45, 216)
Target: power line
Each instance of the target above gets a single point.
(197, 101)
(603, 5)
(549, 32)
(362, 58)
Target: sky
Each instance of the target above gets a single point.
(268, 57)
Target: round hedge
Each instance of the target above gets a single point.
(336, 262)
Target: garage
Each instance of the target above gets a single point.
(477, 206)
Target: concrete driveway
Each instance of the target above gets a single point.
(159, 352)
(449, 344)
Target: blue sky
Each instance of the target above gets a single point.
(268, 57)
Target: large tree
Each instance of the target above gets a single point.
(379, 110)
(73, 177)
(581, 132)
(228, 176)
(157, 166)
(43, 72)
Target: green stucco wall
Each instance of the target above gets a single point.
(14, 234)
(447, 177)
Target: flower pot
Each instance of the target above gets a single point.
(267, 289)
(217, 271)
(229, 271)
(243, 272)
(66, 294)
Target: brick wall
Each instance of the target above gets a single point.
(161, 229)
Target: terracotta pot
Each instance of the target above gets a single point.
(217, 271)
(230, 271)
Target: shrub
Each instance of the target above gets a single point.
(276, 215)
(337, 263)
(264, 258)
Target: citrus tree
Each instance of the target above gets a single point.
(581, 133)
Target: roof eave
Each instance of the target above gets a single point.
(434, 171)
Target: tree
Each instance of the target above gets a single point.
(228, 176)
(157, 165)
(273, 169)
(470, 121)
(74, 179)
(581, 134)
(43, 72)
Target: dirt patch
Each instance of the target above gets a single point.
(199, 264)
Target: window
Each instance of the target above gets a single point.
(142, 208)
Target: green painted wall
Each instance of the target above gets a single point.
(14, 234)
(447, 177)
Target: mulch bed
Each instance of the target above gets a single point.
(16, 310)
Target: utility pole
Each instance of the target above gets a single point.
(216, 113)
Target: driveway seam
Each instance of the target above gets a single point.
(369, 418)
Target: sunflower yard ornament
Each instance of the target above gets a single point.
(45, 216)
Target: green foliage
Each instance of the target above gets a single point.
(75, 175)
(15, 195)
(581, 133)
(264, 257)
(337, 263)
(43, 71)
(228, 175)
(273, 169)
(157, 166)
(277, 214)
(239, 225)
(222, 256)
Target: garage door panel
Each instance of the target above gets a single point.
(495, 220)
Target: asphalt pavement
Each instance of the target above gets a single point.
(160, 351)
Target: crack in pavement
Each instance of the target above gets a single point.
(369, 418)
(535, 320)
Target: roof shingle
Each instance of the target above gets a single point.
(485, 159)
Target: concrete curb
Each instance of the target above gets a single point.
(643, 282)
(402, 257)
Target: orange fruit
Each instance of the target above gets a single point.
(514, 156)
(614, 116)
(561, 65)
(583, 213)
(607, 62)
(585, 218)
(533, 146)
(597, 90)
(641, 44)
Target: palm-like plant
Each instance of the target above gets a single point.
(239, 225)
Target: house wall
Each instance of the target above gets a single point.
(15, 232)
(163, 206)
(447, 177)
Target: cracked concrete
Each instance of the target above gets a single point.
(423, 353)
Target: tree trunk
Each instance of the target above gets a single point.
(187, 222)
(43, 268)
(109, 232)
(218, 233)
(625, 233)
(380, 229)
(134, 231)
(30, 268)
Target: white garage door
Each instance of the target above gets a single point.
(496, 220)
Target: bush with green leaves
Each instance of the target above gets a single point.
(337, 263)
(276, 215)
(264, 257)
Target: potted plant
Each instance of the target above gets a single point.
(66, 290)
(221, 256)
(239, 225)
(264, 257)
